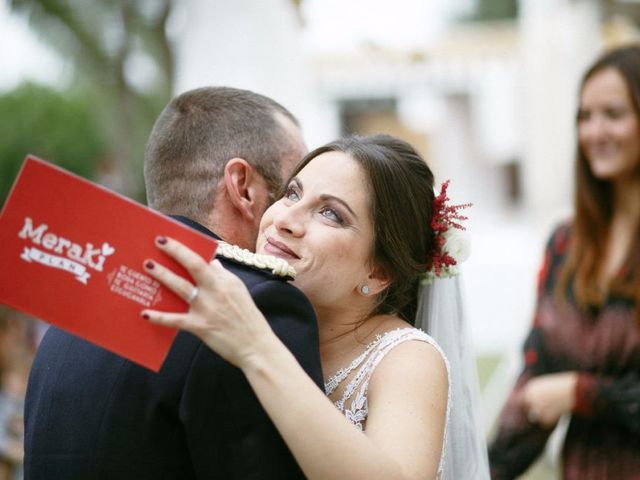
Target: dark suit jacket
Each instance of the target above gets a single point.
(91, 414)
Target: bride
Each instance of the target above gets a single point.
(361, 227)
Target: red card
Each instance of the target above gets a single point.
(72, 253)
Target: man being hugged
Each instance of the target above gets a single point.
(215, 159)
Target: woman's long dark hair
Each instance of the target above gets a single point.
(594, 208)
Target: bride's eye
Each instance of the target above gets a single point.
(291, 194)
(332, 215)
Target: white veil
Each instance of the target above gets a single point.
(441, 315)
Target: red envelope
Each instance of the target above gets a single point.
(71, 254)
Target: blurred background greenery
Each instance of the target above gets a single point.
(50, 124)
(98, 125)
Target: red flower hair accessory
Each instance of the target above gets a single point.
(451, 245)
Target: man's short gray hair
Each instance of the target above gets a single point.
(198, 132)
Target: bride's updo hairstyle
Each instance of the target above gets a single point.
(401, 203)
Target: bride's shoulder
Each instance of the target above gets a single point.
(411, 375)
(412, 353)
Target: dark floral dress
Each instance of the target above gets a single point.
(603, 345)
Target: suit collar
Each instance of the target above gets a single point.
(195, 225)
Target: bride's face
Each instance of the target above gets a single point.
(322, 226)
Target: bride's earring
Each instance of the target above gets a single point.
(364, 289)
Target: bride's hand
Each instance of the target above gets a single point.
(222, 313)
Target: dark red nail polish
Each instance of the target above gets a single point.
(161, 240)
(145, 316)
(149, 265)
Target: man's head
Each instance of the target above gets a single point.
(218, 155)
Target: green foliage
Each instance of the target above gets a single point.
(101, 40)
(485, 10)
(57, 127)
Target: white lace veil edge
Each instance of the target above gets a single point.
(441, 315)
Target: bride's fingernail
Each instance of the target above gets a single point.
(145, 316)
(149, 265)
(161, 240)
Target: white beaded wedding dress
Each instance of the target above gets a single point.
(353, 401)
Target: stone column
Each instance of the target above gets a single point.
(559, 38)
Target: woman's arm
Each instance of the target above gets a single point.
(611, 399)
(407, 406)
(407, 401)
(603, 397)
(548, 397)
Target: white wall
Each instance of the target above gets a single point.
(558, 39)
(249, 44)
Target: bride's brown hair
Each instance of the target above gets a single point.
(401, 189)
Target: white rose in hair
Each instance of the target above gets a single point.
(457, 244)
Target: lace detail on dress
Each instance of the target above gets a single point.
(357, 389)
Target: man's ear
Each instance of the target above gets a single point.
(244, 187)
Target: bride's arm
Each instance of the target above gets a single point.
(407, 405)
(407, 399)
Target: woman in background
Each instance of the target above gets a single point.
(582, 355)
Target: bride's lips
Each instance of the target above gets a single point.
(279, 249)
